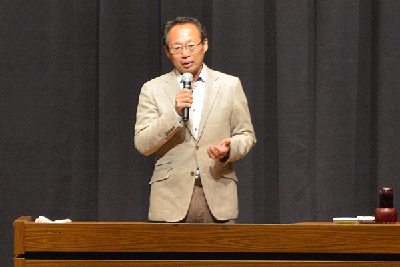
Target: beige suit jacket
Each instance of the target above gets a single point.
(225, 115)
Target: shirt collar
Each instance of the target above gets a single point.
(202, 76)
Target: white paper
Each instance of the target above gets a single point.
(43, 219)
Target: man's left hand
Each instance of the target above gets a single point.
(219, 151)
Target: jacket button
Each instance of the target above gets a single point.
(191, 173)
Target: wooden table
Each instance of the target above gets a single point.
(130, 244)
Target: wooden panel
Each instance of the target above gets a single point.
(19, 234)
(151, 237)
(19, 262)
(311, 238)
(57, 263)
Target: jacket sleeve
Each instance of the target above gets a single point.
(242, 132)
(154, 126)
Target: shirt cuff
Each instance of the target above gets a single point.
(225, 159)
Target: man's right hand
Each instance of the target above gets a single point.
(183, 99)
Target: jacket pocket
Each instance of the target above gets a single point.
(162, 169)
(228, 172)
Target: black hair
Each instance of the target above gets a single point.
(179, 21)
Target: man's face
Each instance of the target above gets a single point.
(187, 61)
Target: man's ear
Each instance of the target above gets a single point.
(167, 52)
(205, 44)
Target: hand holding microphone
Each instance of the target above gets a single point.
(184, 99)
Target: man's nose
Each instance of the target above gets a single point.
(185, 51)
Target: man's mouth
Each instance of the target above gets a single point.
(187, 64)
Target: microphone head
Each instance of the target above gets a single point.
(187, 77)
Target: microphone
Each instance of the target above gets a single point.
(187, 79)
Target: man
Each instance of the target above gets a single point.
(194, 179)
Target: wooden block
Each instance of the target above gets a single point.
(19, 234)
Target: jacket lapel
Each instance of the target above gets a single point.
(210, 95)
(171, 86)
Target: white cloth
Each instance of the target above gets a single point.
(43, 219)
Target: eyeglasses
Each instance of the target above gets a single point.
(177, 49)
